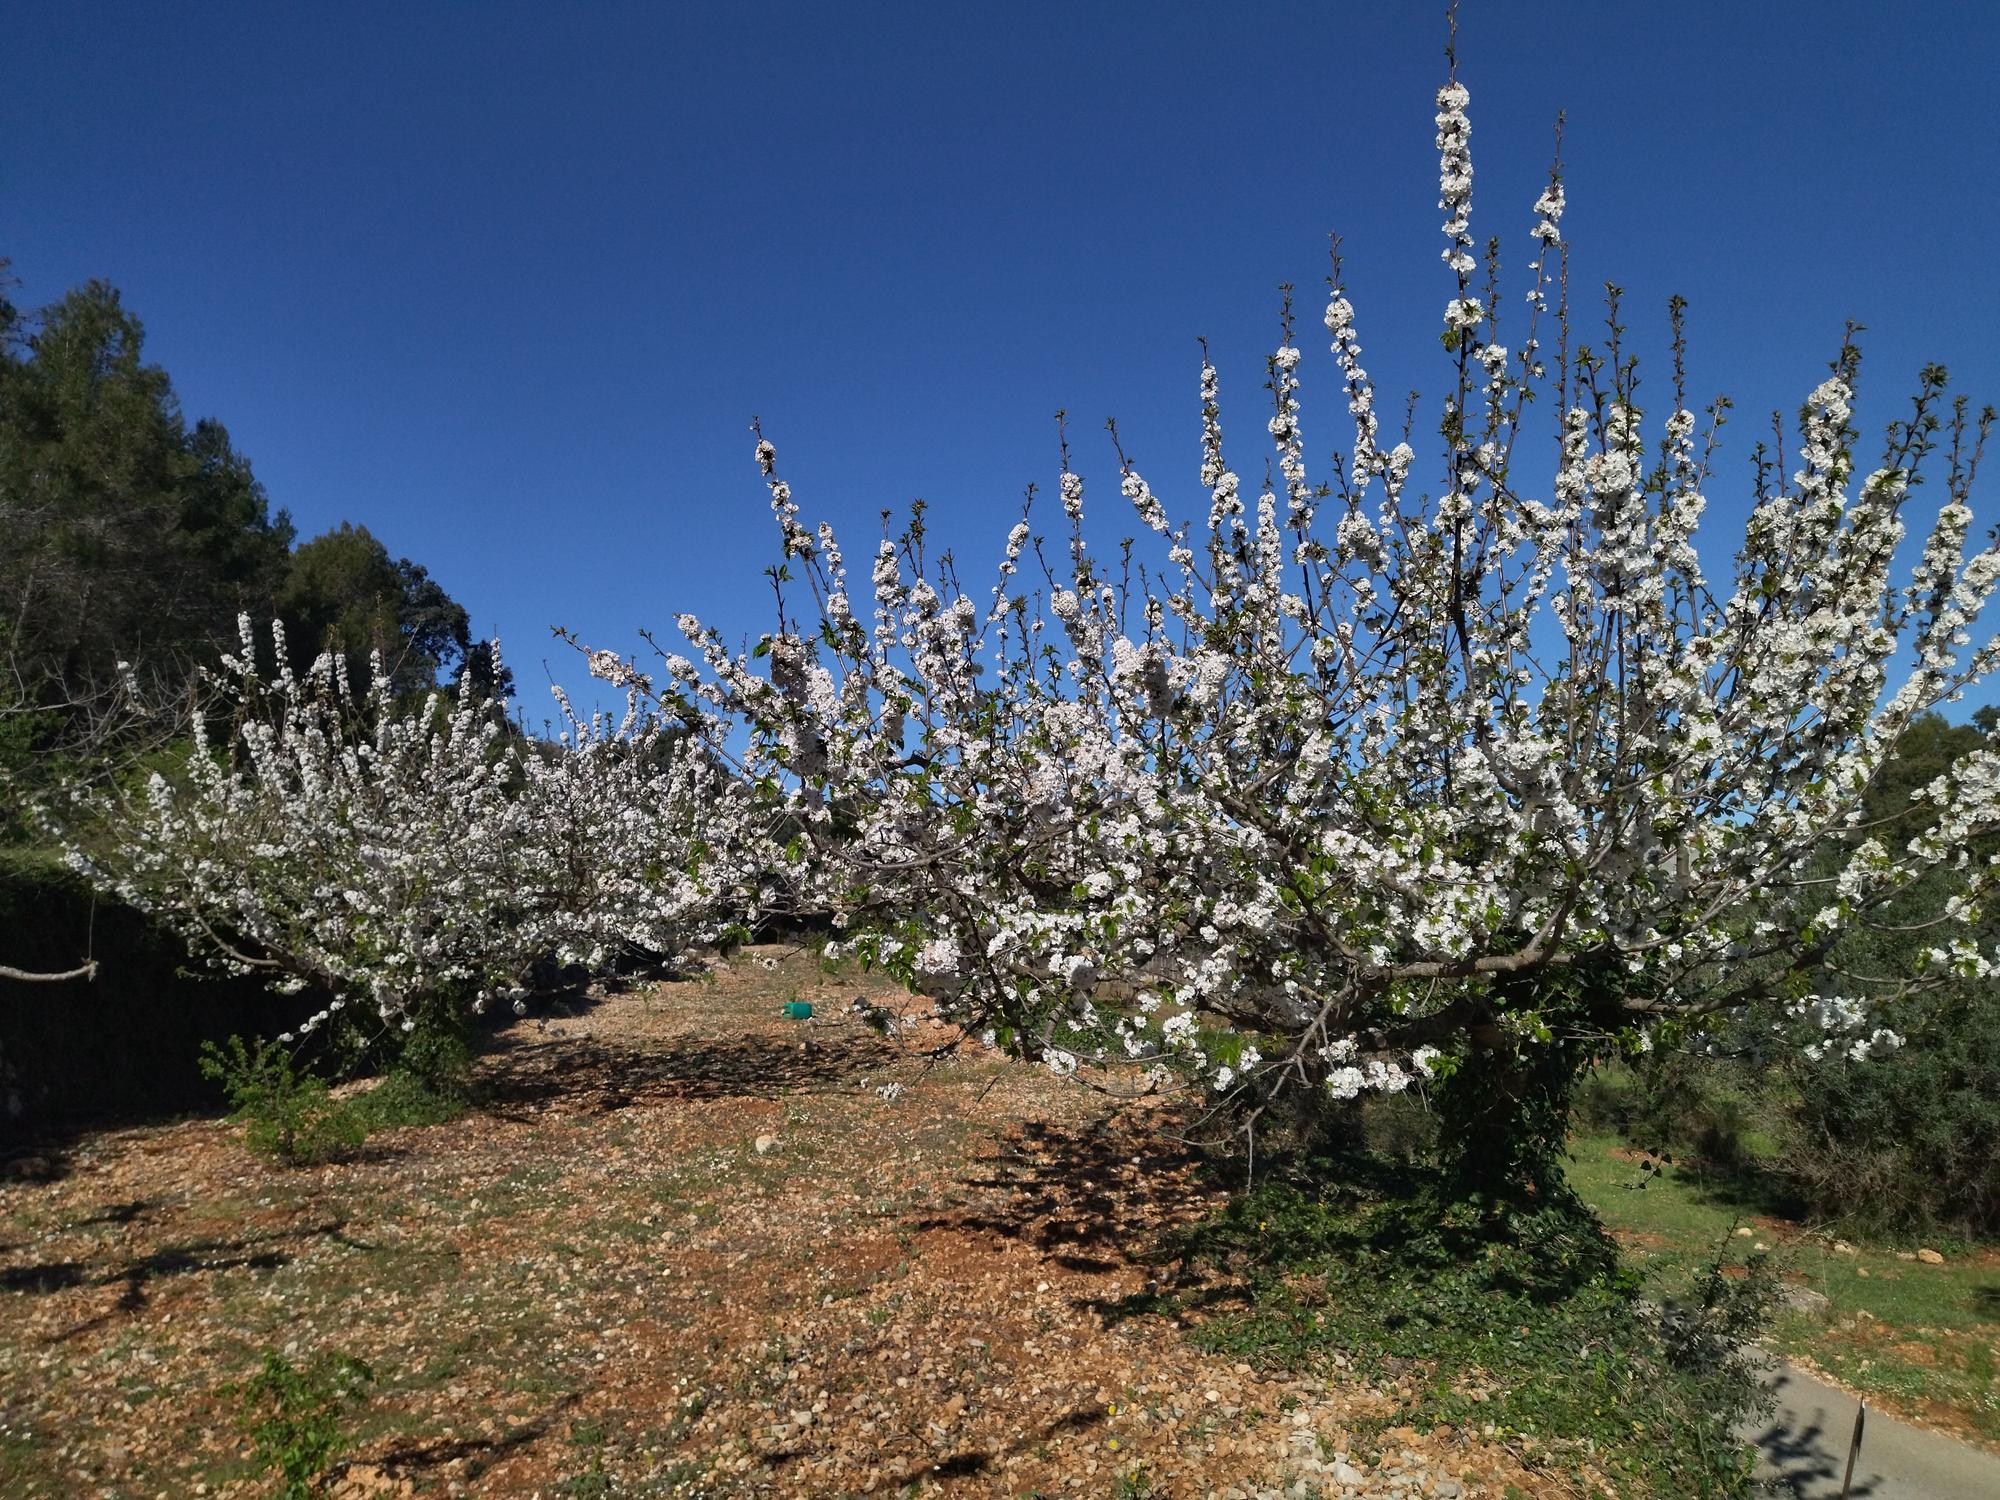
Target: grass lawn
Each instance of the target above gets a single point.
(1922, 1340)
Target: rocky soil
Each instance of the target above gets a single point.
(685, 1247)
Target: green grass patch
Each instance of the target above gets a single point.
(403, 1099)
(1526, 1337)
(1896, 1328)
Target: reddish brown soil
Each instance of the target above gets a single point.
(597, 1284)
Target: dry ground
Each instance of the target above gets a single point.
(599, 1285)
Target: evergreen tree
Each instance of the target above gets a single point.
(345, 594)
(126, 535)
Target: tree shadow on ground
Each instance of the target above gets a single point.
(136, 1274)
(477, 1455)
(1804, 1459)
(134, 1211)
(1746, 1188)
(1206, 1241)
(969, 1463)
(1092, 1198)
(49, 1155)
(527, 1076)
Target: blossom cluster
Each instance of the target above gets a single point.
(396, 856)
(1357, 781)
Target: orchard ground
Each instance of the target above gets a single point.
(687, 1247)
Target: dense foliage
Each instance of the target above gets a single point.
(131, 539)
(1901, 1143)
(344, 593)
(126, 533)
(1910, 1141)
(130, 542)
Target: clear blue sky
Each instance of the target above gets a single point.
(505, 283)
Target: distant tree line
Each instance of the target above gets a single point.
(131, 539)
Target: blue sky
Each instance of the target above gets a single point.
(506, 283)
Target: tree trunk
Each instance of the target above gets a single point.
(1504, 1197)
(1505, 1117)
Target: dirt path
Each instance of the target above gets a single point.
(688, 1248)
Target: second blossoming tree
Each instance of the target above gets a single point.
(415, 860)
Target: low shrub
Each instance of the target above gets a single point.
(288, 1115)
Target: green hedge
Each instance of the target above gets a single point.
(122, 1045)
(1908, 1143)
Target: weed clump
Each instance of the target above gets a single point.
(297, 1416)
(289, 1115)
